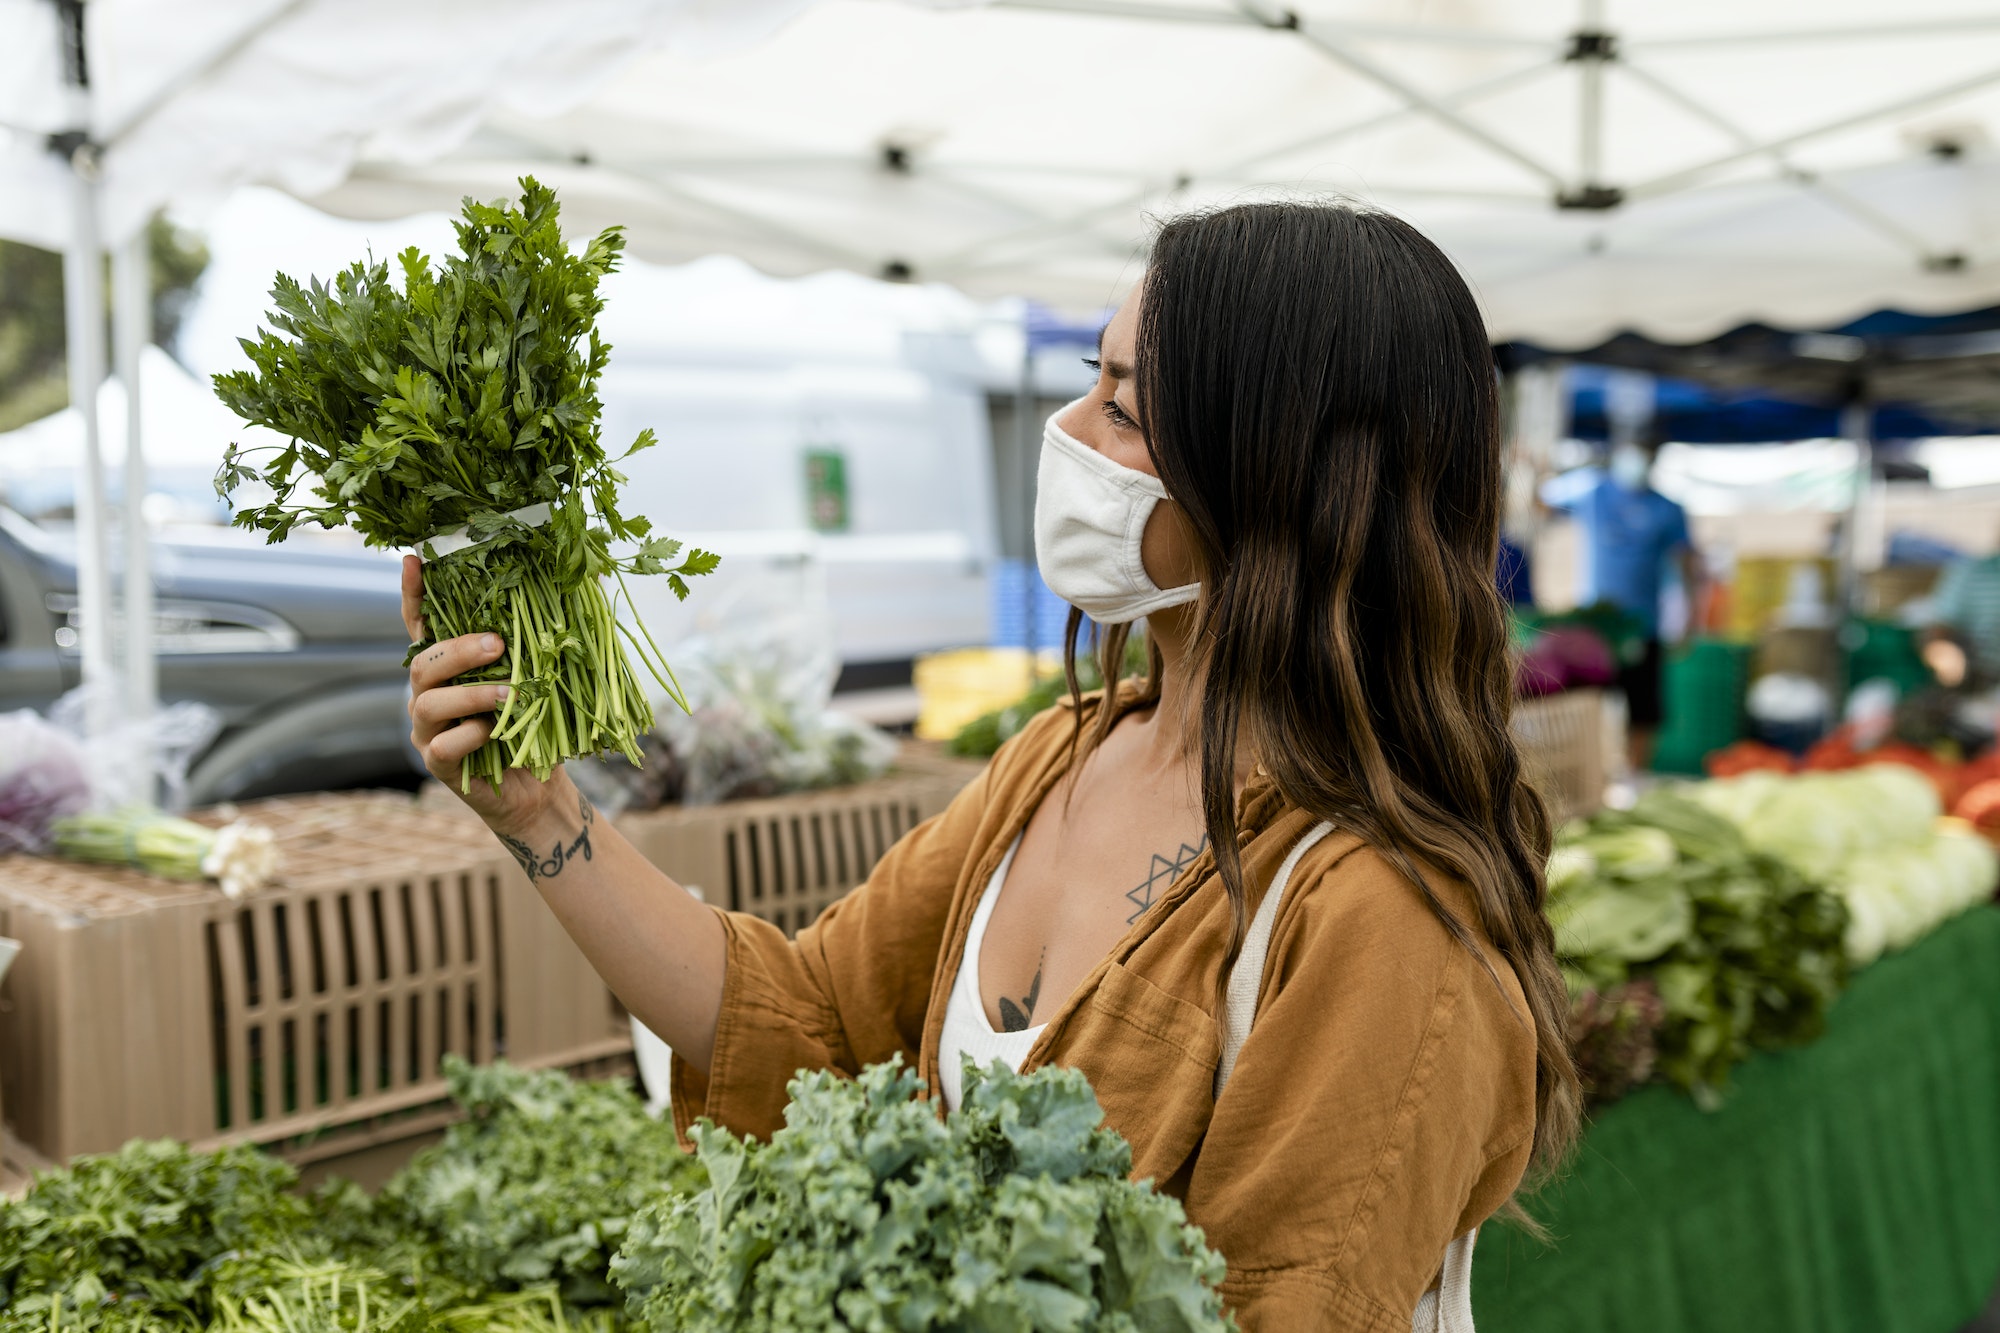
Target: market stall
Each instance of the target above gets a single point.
(1843, 1187)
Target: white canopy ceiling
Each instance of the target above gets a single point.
(189, 98)
(1797, 161)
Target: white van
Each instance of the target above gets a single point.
(827, 434)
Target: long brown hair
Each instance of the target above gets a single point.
(1318, 394)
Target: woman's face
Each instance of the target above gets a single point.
(1107, 420)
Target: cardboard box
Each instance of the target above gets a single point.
(142, 1007)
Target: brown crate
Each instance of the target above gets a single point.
(1563, 749)
(786, 858)
(147, 1007)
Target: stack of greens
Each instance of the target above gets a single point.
(1013, 1213)
(1874, 837)
(1741, 950)
(509, 1224)
(458, 414)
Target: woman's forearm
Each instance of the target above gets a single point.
(661, 952)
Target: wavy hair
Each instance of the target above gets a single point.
(1318, 394)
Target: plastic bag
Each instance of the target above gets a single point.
(758, 684)
(44, 776)
(142, 762)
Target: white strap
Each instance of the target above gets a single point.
(1445, 1308)
(1247, 977)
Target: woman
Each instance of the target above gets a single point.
(1290, 468)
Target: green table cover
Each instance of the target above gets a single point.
(1851, 1186)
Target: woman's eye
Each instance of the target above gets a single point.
(1116, 415)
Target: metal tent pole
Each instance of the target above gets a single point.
(1024, 451)
(1857, 423)
(83, 320)
(83, 313)
(131, 327)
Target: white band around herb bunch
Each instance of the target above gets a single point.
(458, 539)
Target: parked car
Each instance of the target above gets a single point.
(298, 647)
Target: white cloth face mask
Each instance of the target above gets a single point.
(1090, 515)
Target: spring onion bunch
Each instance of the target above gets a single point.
(464, 404)
(241, 857)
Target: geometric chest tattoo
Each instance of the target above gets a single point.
(1160, 877)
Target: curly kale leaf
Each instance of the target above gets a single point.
(1015, 1212)
(538, 1183)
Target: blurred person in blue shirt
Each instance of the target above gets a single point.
(1630, 533)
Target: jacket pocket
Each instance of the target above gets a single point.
(1151, 1056)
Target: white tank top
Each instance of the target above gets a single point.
(966, 1029)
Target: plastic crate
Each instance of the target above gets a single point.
(787, 858)
(1704, 686)
(146, 1007)
(1563, 749)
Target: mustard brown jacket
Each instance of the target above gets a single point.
(1382, 1104)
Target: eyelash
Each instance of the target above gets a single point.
(1116, 414)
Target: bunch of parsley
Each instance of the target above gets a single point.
(1014, 1212)
(449, 404)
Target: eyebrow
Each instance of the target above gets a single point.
(1118, 370)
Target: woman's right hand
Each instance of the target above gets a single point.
(448, 722)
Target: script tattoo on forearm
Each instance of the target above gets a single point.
(1160, 876)
(541, 867)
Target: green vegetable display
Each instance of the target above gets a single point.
(1874, 837)
(507, 1225)
(1743, 951)
(538, 1183)
(1013, 1213)
(452, 403)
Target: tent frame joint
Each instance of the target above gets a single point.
(1590, 198)
(84, 154)
(1591, 44)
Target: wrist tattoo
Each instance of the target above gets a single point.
(539, 867)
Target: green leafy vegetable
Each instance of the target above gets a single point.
(508, 1226)
(538, 1183)
(465, 395)
(1013, 1213)
(1873, 836)
(1743, 950)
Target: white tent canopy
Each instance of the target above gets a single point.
(188, 98)
(1797, 161)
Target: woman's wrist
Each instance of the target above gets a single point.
(551, 832)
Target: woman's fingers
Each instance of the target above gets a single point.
(413, 598)
(434, 708)
(442, 662)
(448, 747)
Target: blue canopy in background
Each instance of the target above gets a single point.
(1699, 414)
(1922, 375)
